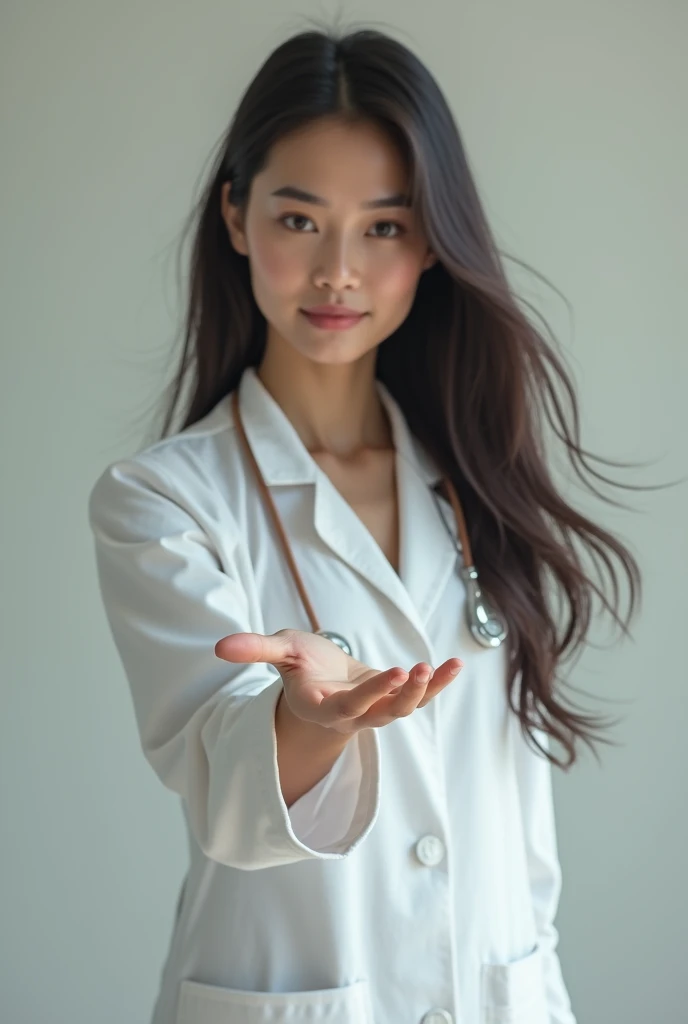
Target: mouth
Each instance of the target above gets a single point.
(329, 322)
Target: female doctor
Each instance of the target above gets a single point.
(329, 588)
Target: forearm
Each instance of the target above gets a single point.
(306, 752)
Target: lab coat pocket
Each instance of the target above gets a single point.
(514, 992)
(211, 1004)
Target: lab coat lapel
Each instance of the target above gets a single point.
(429, 546)
(342, 530)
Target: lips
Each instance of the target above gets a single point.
(330, 321)
(329, 310)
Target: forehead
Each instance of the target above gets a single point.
(333, 158)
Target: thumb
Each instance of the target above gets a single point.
(249, 647)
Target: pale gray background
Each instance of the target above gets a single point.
(573, 119)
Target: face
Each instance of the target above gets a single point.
(304, 253)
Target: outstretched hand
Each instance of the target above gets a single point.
(324, 685)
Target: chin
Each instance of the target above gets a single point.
(337, 353)
(333, 350)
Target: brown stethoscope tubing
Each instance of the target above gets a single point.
(485, 626)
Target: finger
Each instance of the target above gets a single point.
(355, 702)
(274, 649)
(411, 693)
(401, 703)
(443, 675)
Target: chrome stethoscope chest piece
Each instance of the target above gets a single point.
(485, 625)
(337, 639)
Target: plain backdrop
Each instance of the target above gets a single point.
(573, 116)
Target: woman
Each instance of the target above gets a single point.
(370, 815)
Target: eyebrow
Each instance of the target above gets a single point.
(290, 192)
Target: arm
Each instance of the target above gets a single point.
(207, 727)
(534, 777)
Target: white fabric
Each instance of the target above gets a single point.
(334, 912)
(326, 811)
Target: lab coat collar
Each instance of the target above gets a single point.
(428, 550)
(281, 454)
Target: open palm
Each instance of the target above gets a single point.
(323, 684)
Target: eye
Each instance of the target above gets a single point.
(293, 216)
(395, 224)
(400, 229)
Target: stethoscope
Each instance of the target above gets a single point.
(485, 625)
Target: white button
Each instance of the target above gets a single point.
(430, 851)
(437, 1016)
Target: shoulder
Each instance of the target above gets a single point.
(194, 470)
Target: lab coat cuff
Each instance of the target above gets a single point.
(280, 835)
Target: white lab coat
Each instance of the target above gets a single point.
(418, 882)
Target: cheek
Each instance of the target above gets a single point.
(397, 277)
(273, 266)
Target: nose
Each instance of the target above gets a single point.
(336, 265)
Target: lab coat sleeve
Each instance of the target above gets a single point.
(207, 726)
(534, 775)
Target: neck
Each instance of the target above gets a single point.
(333, 408)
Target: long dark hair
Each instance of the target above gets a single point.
(477, 381)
